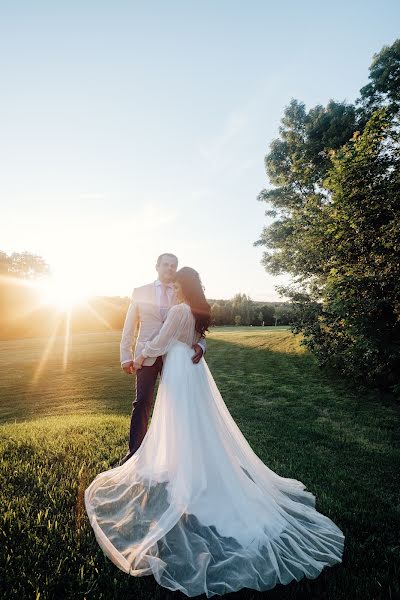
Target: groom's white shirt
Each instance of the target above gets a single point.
(143, 320)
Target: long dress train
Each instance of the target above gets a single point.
(195, 506)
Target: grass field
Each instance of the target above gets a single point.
(63, 424)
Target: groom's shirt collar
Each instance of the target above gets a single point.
(158, 282)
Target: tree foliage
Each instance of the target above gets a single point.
(337, 229)
(24, 265)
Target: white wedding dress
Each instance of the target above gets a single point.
(195, 506)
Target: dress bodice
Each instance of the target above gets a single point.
(179, 325)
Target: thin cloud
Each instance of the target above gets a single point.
(229, 149)
(214, 151)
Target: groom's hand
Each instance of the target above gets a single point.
(128, 367)
(198, 353)
(138, 363)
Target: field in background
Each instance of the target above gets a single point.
(35, 383)
(62, 426)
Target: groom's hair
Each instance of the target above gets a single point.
(159, 259)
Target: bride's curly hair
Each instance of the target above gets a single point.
(193, 291)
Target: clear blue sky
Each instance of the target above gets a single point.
(133, 128)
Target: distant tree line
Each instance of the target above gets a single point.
(23, 265)
(242, 310)
(23, 314)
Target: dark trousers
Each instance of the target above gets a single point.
(146, 378)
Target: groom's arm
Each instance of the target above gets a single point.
(202, 342)
(199, 353)
(129, 330)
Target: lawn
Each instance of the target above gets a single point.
(66, 418)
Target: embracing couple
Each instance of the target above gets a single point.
(191, 503)
(147, 312)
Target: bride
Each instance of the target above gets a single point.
(195, 506)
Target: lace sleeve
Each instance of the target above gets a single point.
(173, 327)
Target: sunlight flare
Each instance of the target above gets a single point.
(67, 337)
(45, 355)
(64, 293)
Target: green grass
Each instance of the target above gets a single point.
(59, 431)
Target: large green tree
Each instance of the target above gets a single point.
(383, 87)
(336, 207)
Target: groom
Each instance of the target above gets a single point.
(147, 311)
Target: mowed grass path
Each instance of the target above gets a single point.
(62, 428)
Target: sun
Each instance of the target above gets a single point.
(64, 294)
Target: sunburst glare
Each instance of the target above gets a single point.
(64, 294)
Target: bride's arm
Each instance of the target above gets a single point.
(170, 331)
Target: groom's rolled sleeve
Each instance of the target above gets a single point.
(202, 342)
(129, 330)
